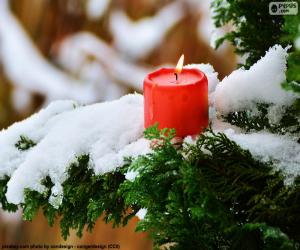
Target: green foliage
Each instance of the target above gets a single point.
(255, 32)
(293, 72)
(3, 201)
(85, 198)
(251, 235)
(35, 200)
(259, 120)
(250, 189)
(293, 86)
(208, 195)
(24, 143)
(255, 29)
(164, 134)
(292, 32)
(180, 208)
(212, 195)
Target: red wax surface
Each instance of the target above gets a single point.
(181, 104)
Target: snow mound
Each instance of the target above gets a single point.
(209, 71)
(242, 89)
(34, 128)
(107, 132)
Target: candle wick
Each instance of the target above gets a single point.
(176, 76)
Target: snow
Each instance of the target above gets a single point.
(206, 29)
(96, 8)
(108, 132)
(205, 24)
(241, 59)
(113, 159)
(297, 40)
(21, 99)
(297, 43)
(112, 74)
(212, 78)
(131, 175)
(211, 74)
(27, 68)
(216, 34)
(141, 213)
(275, 113)
(282, 150)
(137, 39)
(242, 89)
(34, 128)
(219, 125)
(94, 72)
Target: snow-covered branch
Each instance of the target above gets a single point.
(243, 89)
(26, 67)
(107, 132)
(110, 131)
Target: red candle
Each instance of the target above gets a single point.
(181, 104)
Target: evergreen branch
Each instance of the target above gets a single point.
(24, 143)
(5, 205)
(209, 195)
(257, 121)
(255, 29)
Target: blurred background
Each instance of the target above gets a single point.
(93, 51)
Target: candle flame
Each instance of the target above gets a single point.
(179, 65)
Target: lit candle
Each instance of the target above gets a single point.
(176, 98)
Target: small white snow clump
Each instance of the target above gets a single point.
(142, 213)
